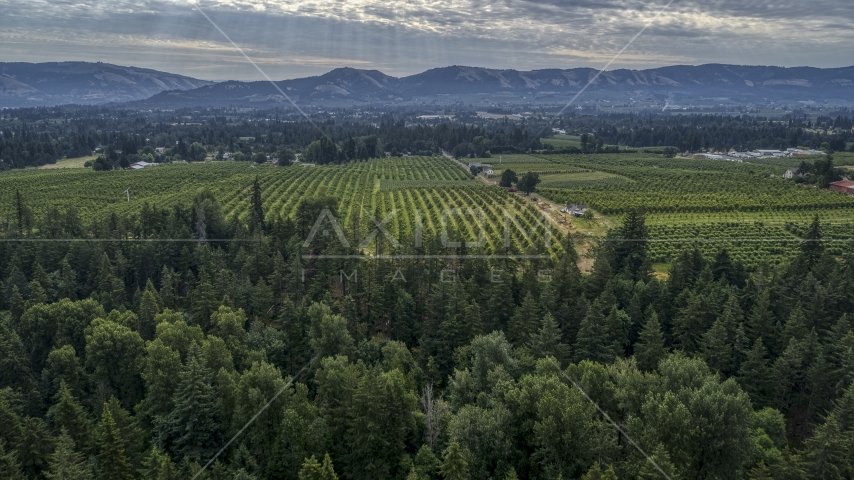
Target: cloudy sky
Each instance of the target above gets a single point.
(297, 38)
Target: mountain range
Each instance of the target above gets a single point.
(87, 83)
(48, 84)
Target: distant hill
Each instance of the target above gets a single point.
(714, 84)
(48, 84)
(711, 84)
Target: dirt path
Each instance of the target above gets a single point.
(585, 233)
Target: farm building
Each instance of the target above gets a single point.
(791, 173)
(575, 210)
(141, 165)
(846, 186)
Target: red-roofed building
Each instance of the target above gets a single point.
(846, 186)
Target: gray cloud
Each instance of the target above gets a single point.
(303, 37)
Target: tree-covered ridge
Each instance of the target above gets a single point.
(135, 359)
(41, 136)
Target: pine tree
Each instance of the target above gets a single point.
(828, 452)
(617, 327)
(511, 475)
(204, 303)
(37, 294)
(756, 376)
(760, 472)
(148, 310)
(67, 281)
(66, 463)
(716, 348)
(9, 464)
(596, 473)
(591, 343)
(547, 342)
(16, 303)
(194, 420)
(313, 470)
(843, 410)
(740, 348)
(661, 459)
(157, 466)
(113, 464)
(650, 349)
(257, 209)
(454, 466)
(35, 447)
(812, 248)
(796, 326)
(761, 323)
(524, 322)
(69, 417)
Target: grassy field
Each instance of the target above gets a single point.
(69, 163)
(563, 141)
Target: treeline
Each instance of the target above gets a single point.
(140, 359)
(714, 132)
(43, 136)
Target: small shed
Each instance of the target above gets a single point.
(141, 165)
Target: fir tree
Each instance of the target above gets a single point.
(158, 466)
(313, 470)
(454, 466)
(35, 447)
(9, 464)
(828, 452)
(70, 418)
(591, 343)
(148, 310)
(650, 349)
(761, 323)
(113, 464)
(257, 209)
(716, 348)
(596, 473)
(796, 326)
(756, 376)
(66, 463)
(67, 281)
(843, 410)
(812, 248)
(16, 303)
(524, 322)
(194, 420)
(661, 459)
(760, 472)
(617, 327)
(547, 342)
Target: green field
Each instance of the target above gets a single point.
(69, 163)
(563, 141)
(746, 208)
(698, 203)
(428, 185)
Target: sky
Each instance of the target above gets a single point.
(298, 38)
